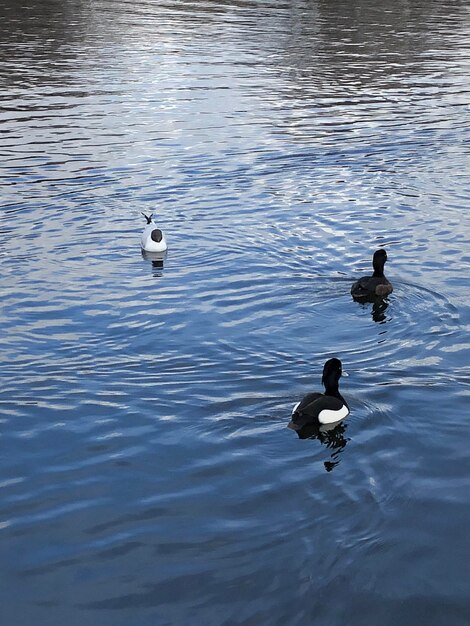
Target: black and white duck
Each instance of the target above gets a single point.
(153, 238)
(319, 409)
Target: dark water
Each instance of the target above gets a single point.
(147, 476)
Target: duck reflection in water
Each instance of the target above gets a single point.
(157, 259)
(331, 435)
(379, 306)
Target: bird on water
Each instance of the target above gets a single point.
(319, 409)
(376, 285)
(153, 238)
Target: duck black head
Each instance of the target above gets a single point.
(378, 261)
(332, 371)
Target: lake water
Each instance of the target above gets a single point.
(147, 476)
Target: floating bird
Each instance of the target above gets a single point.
(317, 408)
(376, 285)
(153, 239)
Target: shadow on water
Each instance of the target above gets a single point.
(331, 435)
(157, 260)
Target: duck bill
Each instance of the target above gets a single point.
(294, 426)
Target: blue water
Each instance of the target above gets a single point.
(147, 476)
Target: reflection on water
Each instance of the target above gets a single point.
(378, 308)
(279, 140)
(331, 435)
(157, 260)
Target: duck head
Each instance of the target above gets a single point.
(332, 372)
(378, 261)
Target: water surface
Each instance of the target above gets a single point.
(147, 475)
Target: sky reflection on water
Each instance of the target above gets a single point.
(148, 474)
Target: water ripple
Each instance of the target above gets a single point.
(144, 401)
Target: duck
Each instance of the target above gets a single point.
(376, 285)
(321, 409)
(153, 238)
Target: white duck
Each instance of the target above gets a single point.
(153, 239)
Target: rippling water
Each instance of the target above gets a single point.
(147, 475)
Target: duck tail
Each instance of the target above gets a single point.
(148, 217)
(298, 421)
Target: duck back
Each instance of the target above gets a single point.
(371, 286)
(317, 409)
(153, 239)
